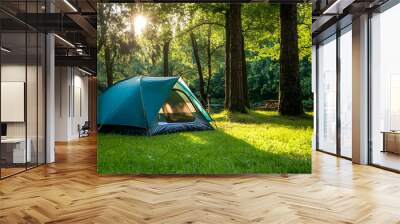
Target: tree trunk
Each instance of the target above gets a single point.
(290, 100)
(203, 96)
(165, 58)
(245, 85)
(227, 59)
(237, 102)
(209, 62)
(109, 65)
(101, 35)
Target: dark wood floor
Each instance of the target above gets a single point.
(70, 191)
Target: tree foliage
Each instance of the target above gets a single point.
(114, 45)
(144, 54)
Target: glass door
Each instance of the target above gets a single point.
(22, 101)
(346, 72)
(327, 95)
(385, 89)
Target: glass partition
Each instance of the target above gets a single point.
(14, 153)
(346, 92)
(41, 96)
(32, 97)
(327, 95)
(385, 89)
(22, 101)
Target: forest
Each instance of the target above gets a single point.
(232, 56)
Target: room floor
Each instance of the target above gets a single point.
(8, 171)
(70, 191)
(387, 159)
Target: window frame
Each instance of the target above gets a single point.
(338, 33)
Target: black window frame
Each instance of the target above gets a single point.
(31, 30)
(337, 31)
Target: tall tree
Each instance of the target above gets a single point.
(227, 59)
(244, 70)
(166, 57)
(209, 65)
(113, 42)
(290, 100)
(109, 59)
(237, 101)
(203, 96)
(105, 12)
(174, 23)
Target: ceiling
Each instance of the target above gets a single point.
(331, 14)
(73, 21)
(205, 1)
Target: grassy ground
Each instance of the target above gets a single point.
(259, 142)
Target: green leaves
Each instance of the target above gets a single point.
(142, 54)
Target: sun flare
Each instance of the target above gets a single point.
(140, 23)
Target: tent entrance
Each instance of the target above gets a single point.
(177, 108)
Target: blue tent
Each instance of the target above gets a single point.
(152, 105)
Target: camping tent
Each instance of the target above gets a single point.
(152, 105)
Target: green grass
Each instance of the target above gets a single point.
(258, 142)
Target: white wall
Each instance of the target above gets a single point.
(33, 126)
(71, 87)
(61, 103)
(80, 109)
(16, 73)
